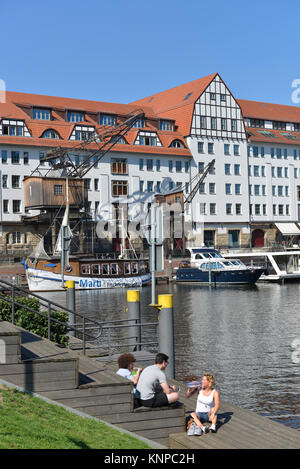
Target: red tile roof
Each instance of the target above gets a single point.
(178, 103)
(269, 111)
(18, 106)
(275, 136)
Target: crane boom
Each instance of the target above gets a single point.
(60, 159)
(199, 178)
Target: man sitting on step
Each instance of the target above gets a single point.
(153, 387)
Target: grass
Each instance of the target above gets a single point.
(28, 422)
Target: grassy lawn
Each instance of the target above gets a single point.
(27, 422)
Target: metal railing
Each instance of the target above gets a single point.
(90, 331)
(16, 279)
(108, 336)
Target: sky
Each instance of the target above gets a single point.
(121, 51)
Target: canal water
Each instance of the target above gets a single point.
(243, 335)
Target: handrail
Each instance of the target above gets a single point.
(45, 300)
(82, 327)
(49, 303)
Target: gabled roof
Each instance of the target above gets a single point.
(269, 111)
(18, 107)
(63, 104)
(178, 103)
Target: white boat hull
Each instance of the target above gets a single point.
(41, 280)
(278, 274)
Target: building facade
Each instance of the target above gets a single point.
(250, 198)
(151, 156)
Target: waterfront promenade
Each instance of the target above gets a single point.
(92, 387)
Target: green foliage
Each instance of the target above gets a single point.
(34, 322)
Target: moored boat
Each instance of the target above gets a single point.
(208, 266)
(87, 273)
(279, 265)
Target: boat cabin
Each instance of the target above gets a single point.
(93, 267)
(211, 259)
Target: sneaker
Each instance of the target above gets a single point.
(213, 429)
(176, 404)
(198, 431)
(205, 430)
(191, 430)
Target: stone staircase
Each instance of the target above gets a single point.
(80, 382)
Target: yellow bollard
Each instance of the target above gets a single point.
(134, 315)
(166, 331)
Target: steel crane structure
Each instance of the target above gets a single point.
(176, 196)
(61, 158)
(63, 171)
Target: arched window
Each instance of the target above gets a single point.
(177, 144)
(50, 133)
(120, 140)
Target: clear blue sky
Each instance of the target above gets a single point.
(119, 51)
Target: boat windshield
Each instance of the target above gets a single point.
(212, 255)
(237, 262)
(212, 265)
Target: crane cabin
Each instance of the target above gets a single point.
(43, 193)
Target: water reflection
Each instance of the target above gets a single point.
(242, 334)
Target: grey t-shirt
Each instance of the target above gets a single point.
(148, 381)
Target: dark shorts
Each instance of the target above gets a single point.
(160, 399)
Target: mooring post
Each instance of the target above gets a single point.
(166, 331)
(134, 315)
(71, 304)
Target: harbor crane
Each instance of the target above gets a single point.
(44, 187)
(177, 195)
(60, 158)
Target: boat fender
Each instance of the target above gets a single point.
(68, 268)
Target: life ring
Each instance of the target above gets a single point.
(68, 268)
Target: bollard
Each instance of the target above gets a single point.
(166, 331)
(71, 304)
(134, 313)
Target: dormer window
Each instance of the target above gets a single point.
(296, 127)
(177, 144)
(41, 114)
(14, 128)
(257, 123)
(118, 139)
(50, 133)
(148, 139)
(279, 125)
(75, 116)
(82, 133)
(140, 123)
(166, 125)
(107, 119)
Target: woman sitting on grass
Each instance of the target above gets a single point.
(208, 404)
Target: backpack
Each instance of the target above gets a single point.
(188, 421)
